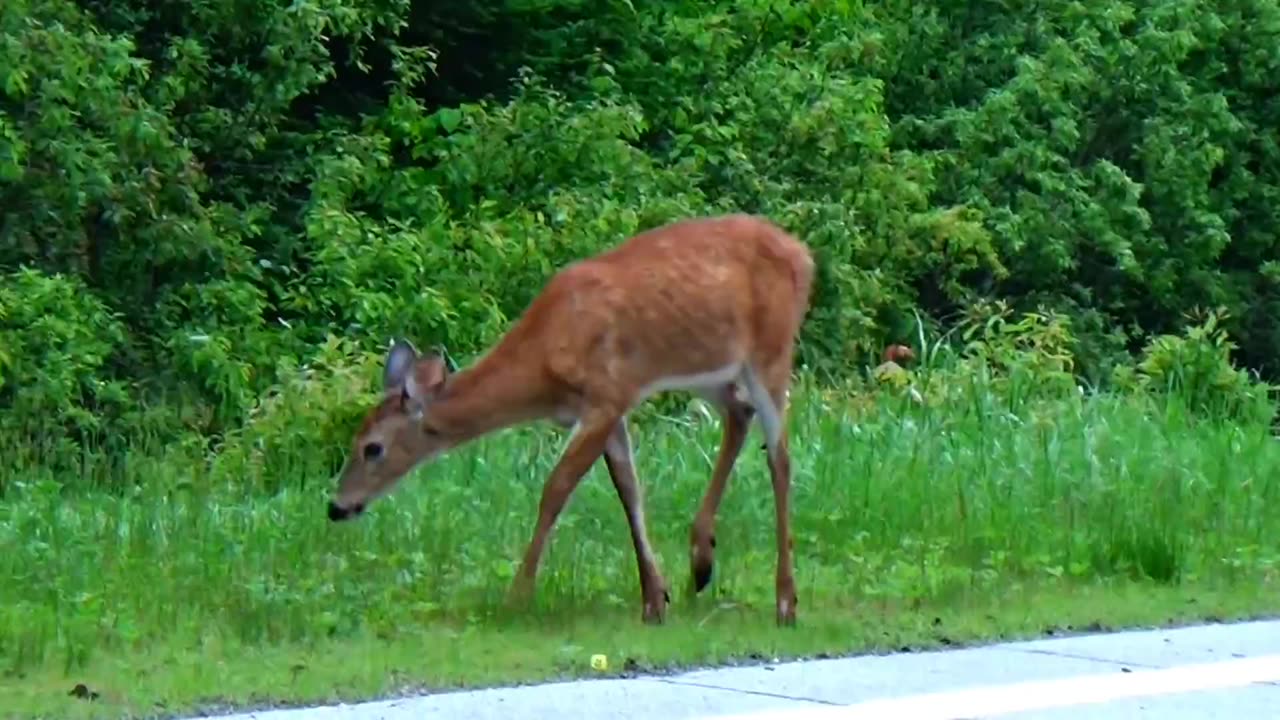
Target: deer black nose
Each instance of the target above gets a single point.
(337, 513)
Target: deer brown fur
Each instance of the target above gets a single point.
(711, 305)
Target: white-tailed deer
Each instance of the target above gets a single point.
(709, 305)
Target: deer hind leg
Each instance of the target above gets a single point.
(621, 464)
(769, 396)
(736, 419)
(583, 448)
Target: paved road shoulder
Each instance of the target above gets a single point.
(1229, 670)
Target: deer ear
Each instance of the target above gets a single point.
(399, 368)
(428, 376)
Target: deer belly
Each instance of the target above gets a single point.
(703, 383)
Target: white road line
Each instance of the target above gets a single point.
(993, 700)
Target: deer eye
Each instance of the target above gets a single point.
(372, 451)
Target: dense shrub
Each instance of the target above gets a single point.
(199, 198)
(56, 343)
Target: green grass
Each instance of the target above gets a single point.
(913, 527)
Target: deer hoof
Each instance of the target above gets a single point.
(786, 613)
(655, 610)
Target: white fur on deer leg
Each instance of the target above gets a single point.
(770, 419)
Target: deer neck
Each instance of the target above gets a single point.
(494, 393)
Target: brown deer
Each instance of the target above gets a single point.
(709, 305)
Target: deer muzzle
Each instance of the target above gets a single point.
(337, 513)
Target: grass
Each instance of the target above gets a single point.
(914, 526)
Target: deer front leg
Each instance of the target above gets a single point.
(582, 450)
(736, 418)
(621, 464)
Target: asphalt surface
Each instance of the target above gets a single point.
(1208, 671)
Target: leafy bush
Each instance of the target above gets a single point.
(234, 189)
(1195, 369)
(57, 346)
(302, 429)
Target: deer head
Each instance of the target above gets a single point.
(396, 434)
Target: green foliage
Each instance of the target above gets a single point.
(302, 428)
(1036, 349)
(56, 341)
(236, 184)
(1115, 150)
(1195, 369)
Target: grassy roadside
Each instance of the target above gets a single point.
(978, 518)
(214, 675)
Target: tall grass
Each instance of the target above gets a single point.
(892, 499)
